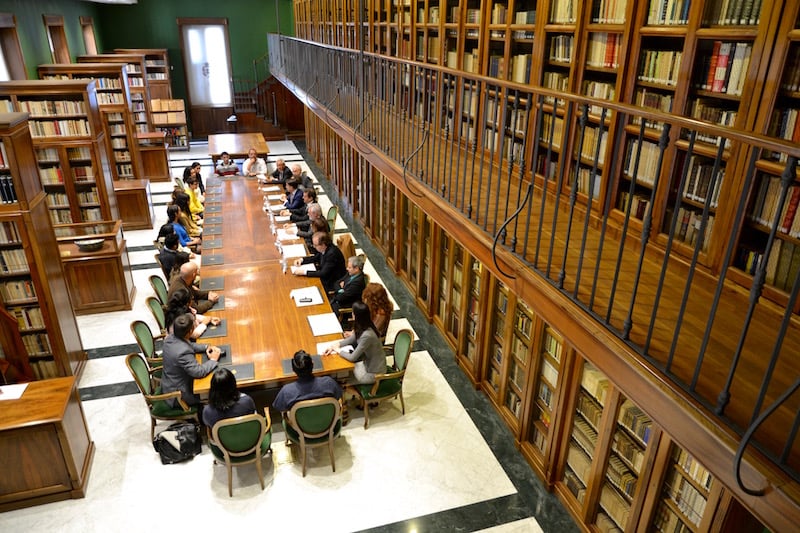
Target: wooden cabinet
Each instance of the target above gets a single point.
(137, 84)
(155, 158)
(46, 451)
(32, 285)
(135, 204)
(98, 280)
(169, 116)
(70, 148)
(157, 70)
(114, 102)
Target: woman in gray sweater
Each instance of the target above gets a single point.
(363, 347)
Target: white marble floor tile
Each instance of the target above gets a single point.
(279, 148)
(105, 371)
(395, 325)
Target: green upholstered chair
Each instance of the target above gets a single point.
(314, 423)
(331, 218)
(241, 440)
(159, 287)
(156, 401)
(147, 344)
(158, 313)
(389, 385)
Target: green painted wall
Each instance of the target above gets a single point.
(153, 24)
(32, 35)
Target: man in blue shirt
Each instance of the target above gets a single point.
(307, 386)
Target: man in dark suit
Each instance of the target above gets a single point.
(350, 286)
(282, 173)
(328, 260)
(170, 256)
(294, 196)
(180, 364)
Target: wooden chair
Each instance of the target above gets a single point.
(159, 287)
(156, 401)
(314, 423)
(147, 344)
(389, 385)
(241, 440)
(158, 313)
(333, 211)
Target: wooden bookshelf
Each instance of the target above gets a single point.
(169, 116)
(137, 85)
(157, 70)
(469, 349)
(32, 286)
(114, 102)
(69, 145)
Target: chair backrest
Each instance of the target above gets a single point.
(402, 348)
(331, 217)
(179, 182)
(315, 418)
(140, 372)
(158, 313)
(158, 262)
(159, 287)
(346, 246)
(240, 435)
(144, 338)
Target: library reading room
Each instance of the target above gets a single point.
(514, 265)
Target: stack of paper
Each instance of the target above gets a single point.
(284, 235)
(303, 269)
(325, 324)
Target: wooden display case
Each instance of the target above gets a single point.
(157, 69)
(98, 280)
(169, 116)
(69, 142)
(114, 102)
(32, 285)
(135, 204)
(137, 84)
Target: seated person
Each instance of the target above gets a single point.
(191, 171)
(185, 217)
(328, 260)
(307, 386)
(180, 303)
(180, 363)
(350, 287)
(196, 206)
(300, 175)
(380, 307)
(226, 166)
(301, 213)
(225, 400)
(203, 300)
(313, 212)
(254, 166)
(294, 196)
(282, 173)
(173, 217)
(169, 255)
(367, 352)
(198, 175)
(318, 224)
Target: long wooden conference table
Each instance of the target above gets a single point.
(236, 144)
(263, 323)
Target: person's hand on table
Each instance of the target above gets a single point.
(214, 320)
(213, 353)
(331, 351)
(348, 333)
(213, 296)
(284, 213)
(298, 262)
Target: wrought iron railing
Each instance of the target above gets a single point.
(666, 238)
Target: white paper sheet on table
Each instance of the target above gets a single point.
(281, 219)
(322, 346)
(274, 197)
(306, 296)
(325, 324)
(294, 250)
(13, 392)
(270, 188)
(276, 208)
(303, 269)
(283, 235)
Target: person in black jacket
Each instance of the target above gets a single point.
(328, 260)
(350, 286)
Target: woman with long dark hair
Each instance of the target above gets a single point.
(363, 347)
(224, 399)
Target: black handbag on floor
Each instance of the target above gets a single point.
(178, 443)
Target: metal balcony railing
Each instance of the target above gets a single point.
(668, 231)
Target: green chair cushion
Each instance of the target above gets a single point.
(295, 437)
(388, 387)
(266, 442)
(160, 408)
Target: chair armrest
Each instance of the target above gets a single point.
(381, 377)
(269, 418)
(170, 395)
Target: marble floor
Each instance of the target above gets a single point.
(449, 464)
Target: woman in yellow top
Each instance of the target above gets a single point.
(196, 207)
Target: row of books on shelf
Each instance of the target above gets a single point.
(157, 76)
(690, 501)
(791, 76)
(155, 63)
(88, 197)
(638, 204)
(634, 419)
(560, 49)
(124, 169)
(27, 317)
(8, 194)
(621, 476)
(609, 11)
(579, 462)
(595, 383)
(589, 409)
(513, 403)
(17, 290)
(766, 210)
(784, 124)
(660, 66)
(57, 199)
(726, 70)
(135, 81)
(13, 261)
(552, 346)
(699, 179)
(575, 485)
(59, 128)
(110, 98)
(55, 175)
(733, 13)
(668, 12)
(564, 12)
(628, 450)
(60, 216)
(603, 50)
(549, 372)
(9, 233)
(44, 108)
(119, 142)
(592, 137)
(666, 521)
(689, 224)
(589, 180)
(615, 505)
(520, 352)
(692, 467)
(545, 394)
(44, 369)
(122, 156)
(598, 89)
(642, 161)
(782, 265)
(37, 344)
(585, 436)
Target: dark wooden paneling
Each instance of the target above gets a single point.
(206, 120)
